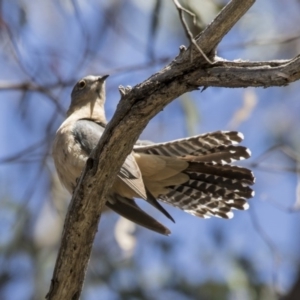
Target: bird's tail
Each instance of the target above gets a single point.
(198, 176)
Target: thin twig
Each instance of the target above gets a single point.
(181, 11)
(27, 86)
(261, 42)
(24, 152)
(275, 253)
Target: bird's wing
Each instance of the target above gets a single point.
(87, 133)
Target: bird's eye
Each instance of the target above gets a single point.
(81, 84)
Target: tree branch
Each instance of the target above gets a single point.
(136, 108)
(27, 86)
(245, 74)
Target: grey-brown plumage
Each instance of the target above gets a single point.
(194, 174)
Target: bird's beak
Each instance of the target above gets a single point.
(102, 78)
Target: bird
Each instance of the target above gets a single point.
(194, 174)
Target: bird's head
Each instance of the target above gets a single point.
(88, 93)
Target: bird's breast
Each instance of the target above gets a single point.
(69, 157)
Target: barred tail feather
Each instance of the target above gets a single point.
(222, 172)
(221, 155)
(194, 146)
(212, 190)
